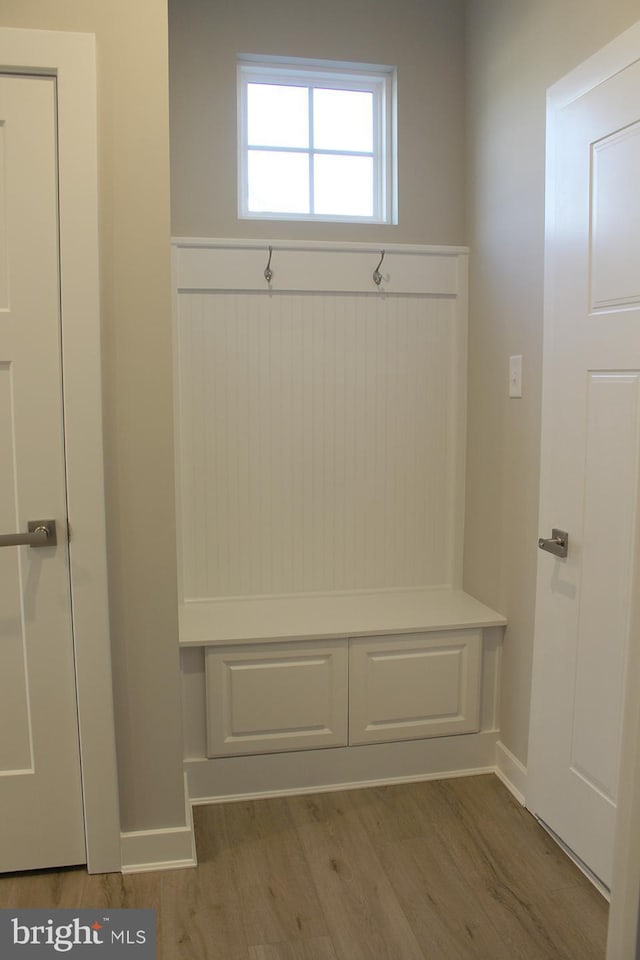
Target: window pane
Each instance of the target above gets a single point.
(344, 186)
(278, 182)
(277, 116)
(343, 120)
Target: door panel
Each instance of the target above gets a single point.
(15, 741)
(615, 226)
(590, 444)
(40, 787)
(611, 484)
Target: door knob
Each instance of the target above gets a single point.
(42, 533)
(557, 544)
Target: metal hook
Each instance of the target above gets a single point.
(377, 276)
(268, 272)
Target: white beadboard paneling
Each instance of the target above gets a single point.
(318, 442)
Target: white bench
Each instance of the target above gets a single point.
(411, 675)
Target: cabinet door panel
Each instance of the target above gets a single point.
(270, 697)
(421, 685)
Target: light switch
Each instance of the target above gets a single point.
(515, 376)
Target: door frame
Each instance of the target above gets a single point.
(624, 916)
(70, 58)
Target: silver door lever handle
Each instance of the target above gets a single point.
(557, 544)
(42, 533)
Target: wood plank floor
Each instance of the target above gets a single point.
(447, 870)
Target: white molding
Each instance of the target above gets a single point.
(339, 787)
(208, 265)
(459, 377)
(512, 773)
(168, 848)
(70, 57)
(339, 768)
(611, 59)
(340, 246)
(150, 850)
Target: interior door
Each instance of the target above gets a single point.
(590, 445)
(41, 822)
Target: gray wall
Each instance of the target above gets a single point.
(133, 132)
(515, 51)
(421, 37)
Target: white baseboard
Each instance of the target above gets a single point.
(337, 787)
(512, 773)
(339, 768)
(170, 848)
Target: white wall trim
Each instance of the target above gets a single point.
(169, 848)
(144, 851)
(233, 265)
(339, 768)
(326, 245)
(512, 773)
(617, 55)
(338, 787)
(70, 57)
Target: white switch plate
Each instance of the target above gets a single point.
(515, 376)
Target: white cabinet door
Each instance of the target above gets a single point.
(421, 685)
(40, 789)
(590, 477)
(269, 697)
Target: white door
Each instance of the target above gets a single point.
(41, 818)
(590, 441)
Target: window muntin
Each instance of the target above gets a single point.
(316, 143)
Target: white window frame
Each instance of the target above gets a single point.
(378, 80)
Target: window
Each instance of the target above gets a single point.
(316, 141)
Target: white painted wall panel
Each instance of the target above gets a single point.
(317, 442)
